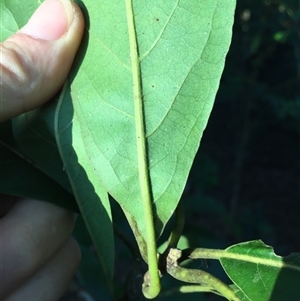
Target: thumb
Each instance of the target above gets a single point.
(36, 60)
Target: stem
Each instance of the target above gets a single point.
(153, 289)
(197, 276)
(200, 276)
(202, 253)
(190, 288)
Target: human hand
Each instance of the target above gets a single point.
(36, 60)
(38, 256)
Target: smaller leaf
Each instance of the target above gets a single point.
(91, 196)
(260, 274)
(34, 134)
(18, 177)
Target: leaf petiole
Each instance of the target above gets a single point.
(197, 276)
(153, 289)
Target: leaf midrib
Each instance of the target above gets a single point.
(145, 188)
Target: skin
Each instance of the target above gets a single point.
(38, 255)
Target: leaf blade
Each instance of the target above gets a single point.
(107, 114)
(8, 23)
(262, 275)
(20, 178)
(34, 134)
(91, 196)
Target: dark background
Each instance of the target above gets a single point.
(249, 158)
(245, 181)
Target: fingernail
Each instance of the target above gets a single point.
(50, 21)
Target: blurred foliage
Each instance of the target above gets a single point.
(253, 136)
(245, 180)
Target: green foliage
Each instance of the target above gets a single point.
(257, 272)
(260, 274)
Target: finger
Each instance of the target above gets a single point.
(36, 60)
(30, 234)
(51, 281)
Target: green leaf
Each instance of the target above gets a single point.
(21, 178)
(8, 23)
(260, 274)
(182, 48)
(14, 15)
(34, 134)
(91, 196)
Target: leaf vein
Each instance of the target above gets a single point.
(160, 34)
(112, 53)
